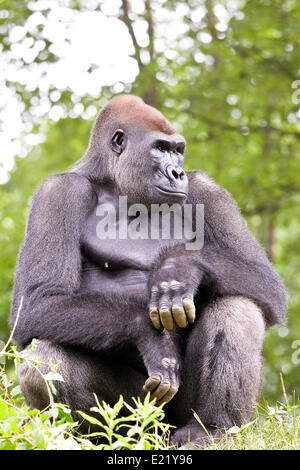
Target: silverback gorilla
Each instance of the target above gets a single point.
(131, 316)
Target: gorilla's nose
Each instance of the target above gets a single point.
(176, 174)
(177, 178)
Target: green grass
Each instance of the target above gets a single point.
(276, 427)
(272, 428)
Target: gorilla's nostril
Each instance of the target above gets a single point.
(176, 173)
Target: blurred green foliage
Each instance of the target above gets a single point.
(228, 90)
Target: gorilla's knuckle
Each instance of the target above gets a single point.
(153, 312)
(166, 361)
(188, 300)
(166, 383)
(177, 308)
(164, 286)
(169, 362)
(175, 285)
(164, 309)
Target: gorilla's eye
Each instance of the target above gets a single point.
(162, 146)
(118, 141)
(180, 149)
(166, 146)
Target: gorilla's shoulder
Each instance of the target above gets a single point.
(64, 182)
(202, 188)
(200, 178)
(65, 186)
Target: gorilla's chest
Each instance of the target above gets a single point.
(130, 236)
(120, 243)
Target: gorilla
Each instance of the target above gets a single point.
(143, 314)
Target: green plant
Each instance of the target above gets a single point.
(54, 428)
(141, 429)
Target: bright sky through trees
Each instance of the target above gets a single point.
(92, 49)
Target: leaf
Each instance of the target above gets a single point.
(16, 391)
(233, 430)
(247, 425)
(140, 445)
(90, 419)
(54, 376)
(119, 405)
(3, 410)
(14, 427)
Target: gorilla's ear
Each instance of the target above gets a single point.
(118, 141)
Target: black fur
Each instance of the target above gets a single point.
(87, 302)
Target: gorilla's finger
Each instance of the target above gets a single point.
(151, 383)
(168, 396)
(161, 391)
(165, 310)
(164, 299)
(179, 315)
(154, 296)
(190, 309)
(154, 315)
(173, 371)
(166, 319)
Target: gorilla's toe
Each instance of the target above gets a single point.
(193, 436)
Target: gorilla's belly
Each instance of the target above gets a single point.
(110, 280)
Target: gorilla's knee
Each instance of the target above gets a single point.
(31, 371)
(82, 375)
(237, 318)
(41, 357)
(232, 333)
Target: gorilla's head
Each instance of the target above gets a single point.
(134, 146)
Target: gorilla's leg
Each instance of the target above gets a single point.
(222, 368)
(84, 374)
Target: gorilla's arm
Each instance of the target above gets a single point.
(48, 278)
(49, 263)
(230, 262)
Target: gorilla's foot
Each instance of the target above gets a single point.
(193, 436)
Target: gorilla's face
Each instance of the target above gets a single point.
(148, 155)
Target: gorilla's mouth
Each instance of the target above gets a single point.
(170, 192)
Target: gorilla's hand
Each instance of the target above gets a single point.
(172, 288)
(163, 382)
